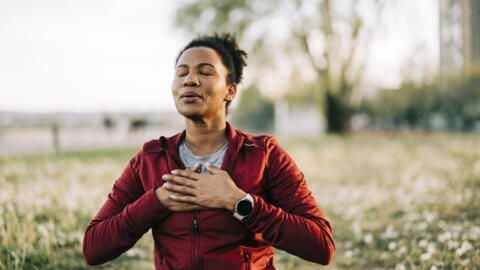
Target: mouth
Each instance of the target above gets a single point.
(190, 97)
(190, 94)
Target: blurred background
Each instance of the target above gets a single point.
(377, 101)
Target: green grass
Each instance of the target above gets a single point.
(395, 201)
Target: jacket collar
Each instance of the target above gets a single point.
(235, 141)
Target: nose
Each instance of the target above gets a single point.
(191, 80)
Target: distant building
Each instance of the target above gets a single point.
(459, 22)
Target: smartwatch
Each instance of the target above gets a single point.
(244, 207)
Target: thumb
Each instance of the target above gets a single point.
(211, 169)
(194, 167)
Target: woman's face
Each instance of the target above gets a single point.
(199, 87)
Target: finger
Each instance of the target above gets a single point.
(187, 173)
(180, 180)
(212, 169)
(185, 199)
(194, 167)
(179, 189)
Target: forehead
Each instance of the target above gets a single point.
(197, 55)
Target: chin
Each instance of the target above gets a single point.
(190, 114)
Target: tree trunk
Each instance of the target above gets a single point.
(338, 113)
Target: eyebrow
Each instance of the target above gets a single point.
(199, 65)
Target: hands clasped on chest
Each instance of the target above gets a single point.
(187, 190)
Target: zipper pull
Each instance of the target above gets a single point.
(195, 225)
(246, 257)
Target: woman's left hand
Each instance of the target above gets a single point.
(215, 190)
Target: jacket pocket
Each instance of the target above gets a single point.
(257, 257)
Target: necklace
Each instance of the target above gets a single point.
(221, 145)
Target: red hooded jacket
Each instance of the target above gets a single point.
(285, 215)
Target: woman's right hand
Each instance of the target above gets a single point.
(163, 196)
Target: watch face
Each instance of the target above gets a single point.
(244, 207)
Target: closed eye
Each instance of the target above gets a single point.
(181, 73)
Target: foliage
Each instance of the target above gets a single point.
(394, 201)
(452, 105)
(254, 112)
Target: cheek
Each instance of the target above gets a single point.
(175, 86)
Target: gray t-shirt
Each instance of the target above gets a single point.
(189, 159)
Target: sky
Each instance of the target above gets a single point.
(118, 55)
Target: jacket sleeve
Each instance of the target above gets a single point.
(128, 213)
(293, 221)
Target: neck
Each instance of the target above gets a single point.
(205, 137)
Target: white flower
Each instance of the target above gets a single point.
(474, 232)
(402, 249)
(43, 230)
(390, 232)
(400, 266)
(425, 256)
(431, 248)
(422, 226)
(433, 268)
(348, 254)
(466, 246)
(392, 245)
(452, 244)
(135, 252)
(445, 236)
(423, 243)
(368, 238)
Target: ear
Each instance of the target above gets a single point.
(231, 92)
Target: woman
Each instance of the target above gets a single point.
(214, 197)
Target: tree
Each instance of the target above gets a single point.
(254, 111)
(317, 37)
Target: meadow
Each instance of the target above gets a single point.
(395, 201)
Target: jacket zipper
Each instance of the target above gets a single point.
(246, 259)
(196, 243)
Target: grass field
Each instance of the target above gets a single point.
(394, 202)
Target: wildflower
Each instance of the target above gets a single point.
(425, 256)
(348, 254)
(390, 232)
(452, 244)
(474, 232)
(466, 246)
(445, 236)
(135, 252)
(392, 245)
(368, 238)
(422, 226)
(423, 243)
(431, 248)
(43, 230)
(400, 266)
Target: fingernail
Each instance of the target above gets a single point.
(174, 172)
(172, 196)
(207, 164)
(166, 184)
(165, 176)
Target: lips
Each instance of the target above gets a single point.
(190, 94)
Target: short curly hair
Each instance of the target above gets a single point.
(226, 46)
